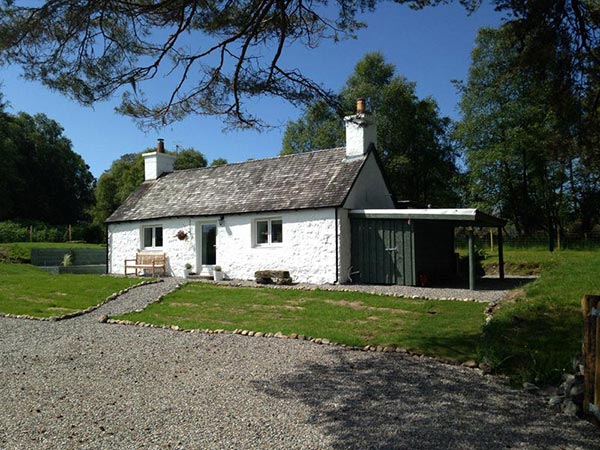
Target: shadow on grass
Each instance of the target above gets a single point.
(393, 401)
(491, 283)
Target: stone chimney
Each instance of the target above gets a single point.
(158, 162)
(361, 131)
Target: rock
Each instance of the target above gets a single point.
(485, 367)
(379, 348)
(325, 341)
(400, 350)
(250, 333)
(471, 364)
(576, 390)
(279, 334)
(569, 408)
(103, 318)
(175, 327)
(259, 334)
(301, 337)
(530, 387)
(555, 401)
(244, 333)
(293, 336)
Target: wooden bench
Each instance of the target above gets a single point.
(156, 262)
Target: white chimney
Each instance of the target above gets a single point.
(158, 162)
(361, 131)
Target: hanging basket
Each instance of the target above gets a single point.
(181, 235)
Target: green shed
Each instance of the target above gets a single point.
(412, 247)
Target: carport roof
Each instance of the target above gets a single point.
(461, 216)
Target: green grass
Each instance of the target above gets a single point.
(25, 289)
(21, 251)
(536, 337)
(446, 329)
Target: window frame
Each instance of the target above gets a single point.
(153, 238)
(269, 242)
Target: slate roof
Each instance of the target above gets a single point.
(308, 180)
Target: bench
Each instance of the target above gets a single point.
(267, 276)
(156, 262)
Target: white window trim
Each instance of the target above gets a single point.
(267, 244)
(153, 226)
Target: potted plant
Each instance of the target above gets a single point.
(187, 270)
(217, 273)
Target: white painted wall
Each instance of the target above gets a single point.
(369, 190)
(308, 249)
(125, 240)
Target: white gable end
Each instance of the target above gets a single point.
(369, 190)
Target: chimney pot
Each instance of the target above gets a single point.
(360, 105)
(160, 146)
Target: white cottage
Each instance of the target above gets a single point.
(284, 213)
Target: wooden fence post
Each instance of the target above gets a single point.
(591, 355)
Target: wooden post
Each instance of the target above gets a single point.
(491, 241)
(70, 233)
(558, 238)
(500, 254)
(471, 260)
(31, 233)
(590, 350)
(596, 356)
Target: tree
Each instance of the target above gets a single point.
(523, 127)
(319, 127)
(413, 141)
(41, 177)
(218, 162)
(126, 174)
(215, 54)
(189, 159)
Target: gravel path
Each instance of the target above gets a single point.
(79, 383)
(489, 289)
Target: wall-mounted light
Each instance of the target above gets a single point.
(221, 220)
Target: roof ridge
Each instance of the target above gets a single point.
(261, 159)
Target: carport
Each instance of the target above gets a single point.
(414, 246)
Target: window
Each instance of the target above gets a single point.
(269, 231)
(153, 237)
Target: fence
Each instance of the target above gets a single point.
(591, 355)
(487, 240)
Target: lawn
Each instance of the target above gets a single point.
(535, 337)
(21, 251)
(25, 289)
(447, 329)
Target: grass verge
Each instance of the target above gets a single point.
(25, 289)
(446, 329)
(535, 337)
(20, 252)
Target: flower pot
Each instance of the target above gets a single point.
(218, 275)
(186, 273)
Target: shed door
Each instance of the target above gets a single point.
(382, 252)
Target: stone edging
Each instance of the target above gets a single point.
(83, 311)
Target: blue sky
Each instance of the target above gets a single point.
(430, 47)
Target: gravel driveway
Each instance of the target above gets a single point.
(79, 383)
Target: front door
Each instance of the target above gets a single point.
(208, 244)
